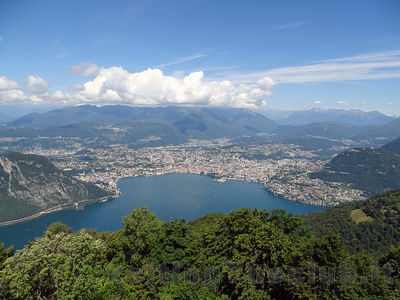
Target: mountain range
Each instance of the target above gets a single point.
(160, 126)
(351, 116)
(140, 126)
(30, 184)
(192, 121)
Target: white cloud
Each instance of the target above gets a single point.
(318, 102)
(37, 84)
(364, 103)
(7, 84)
(368, 57)
(151, 87)
(381, 65)
(10, 91)
(85, 69)
(343, 103)
(386, 103)
(57, 97)
(12, 96)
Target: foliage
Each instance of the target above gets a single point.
(57, 227)
(175, 241)
(359, 216)
(373, 236)
(379, 167)
(58, 266)
(202, 223)
(141, 237)
(249, 254)
(4, 254)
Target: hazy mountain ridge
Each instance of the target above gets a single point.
(393, 146)
(332, 130)
(160, 126)
(352, 116)
(116, 114)
(30, 183)
(126, 124)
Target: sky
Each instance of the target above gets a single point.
(254, 54)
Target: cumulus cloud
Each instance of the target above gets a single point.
(37, 84)
(12, 96)
(57, 97)
(10, 91)
(151, 87)
(7, 84)
(85, 69)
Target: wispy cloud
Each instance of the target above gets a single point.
(199, 54)
(344, 103)
(218, 68)
(60, 51)
(380, 65)
(368, 57)
(292, 24)
(1, 38)
(180, 60)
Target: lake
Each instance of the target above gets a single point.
(171, 196)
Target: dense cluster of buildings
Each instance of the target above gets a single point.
(282, 168)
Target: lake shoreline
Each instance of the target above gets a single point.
(68, 206)
(82, 204)
(171, 196)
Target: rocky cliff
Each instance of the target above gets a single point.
(31, 183)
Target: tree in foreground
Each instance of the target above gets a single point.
(59, 266)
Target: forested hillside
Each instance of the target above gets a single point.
(372, 170)
(245, 255)
(370, 225)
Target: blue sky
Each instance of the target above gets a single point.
(255, 54)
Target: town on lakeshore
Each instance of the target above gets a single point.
(282, 168)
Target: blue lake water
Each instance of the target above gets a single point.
(171, 196)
